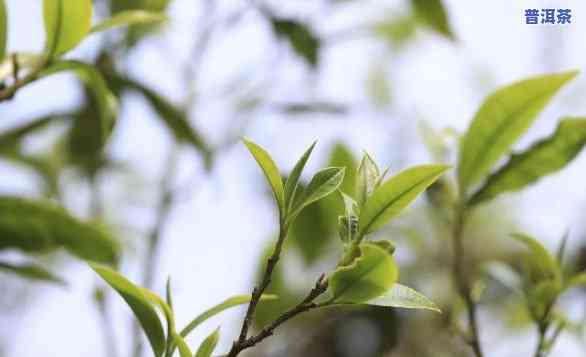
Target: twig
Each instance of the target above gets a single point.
(461, 280)
(305, 305)
(9, 92)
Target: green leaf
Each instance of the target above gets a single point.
(173, 118)
(404, 297)
(501, 120)
(129, 18)
(433, 14)
(545, 157)
(541, 297)
(367, 277)
(576, 280)
(293, 179)
(106, 101)
(301, 38)
(397, 31)
(3, 30)
(226, 304)
(139, 303)
(395, 194)
(67, 22)
(32, 272)
(208, 345)
(541, 265)
(184, 350)
(368, 177)
(37, 227)
(321, 185)
(11, 138)
(341, 156)
(271, 172)
(348, 223)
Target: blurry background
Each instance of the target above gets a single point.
(356, 75)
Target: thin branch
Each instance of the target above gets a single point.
(462, 283)
(305, 305)
(10, 91)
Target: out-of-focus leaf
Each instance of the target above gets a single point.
(378, 87)
(541, 297)
(312, 108)
(36, 227)
(301, 38)
(174, 119)
(396, 31)
(43, 166)
(129, 18)
(341, 156)
(12, 137)
(67, 23)
(312, 231)
(24, 61)
(541, 264)
(184, 350)
(543, 158)
(32, 272)
(395, 194)
(404, 297)
(503, 273)
(139, 303)
(226, 304)
(271, 172)
(367, 277)
(324, 182)
(433, 14)
(168, 295)
(208, 345)
(501, 120)
(106, 101)
(293, 179)
(368, 177)
(576, 280)
(3, 29)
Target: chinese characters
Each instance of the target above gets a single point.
(548, 16)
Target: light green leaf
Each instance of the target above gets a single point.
(293, 179)
(341, 156)
(501, 120)
(39, 226)
(3, 30)
(543, 158)
(541, 297)
(32, 272)
(368, 177)
(395, 194)
(576, 280)
(321, 185)
(271, 172)
(226, 304)
(541, 265)
(140, 304)
(168, 295)
(89, 75)
(129, 18)
(208, 346)
(367, 277)
(67, 22)
(184, 350)
(433, 14)
(404, 297)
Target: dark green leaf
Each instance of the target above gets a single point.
(576, 280)
(271, 172)
(129, 18)
(293, 179)
(367, 277)
(208, 345)
(67, 22)
(545, 157)
(433, 14)
(139, 303)
(303, 41)
(501, 120)
(32, 272)
(36, 227)
(404, 297)
(394, 195)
